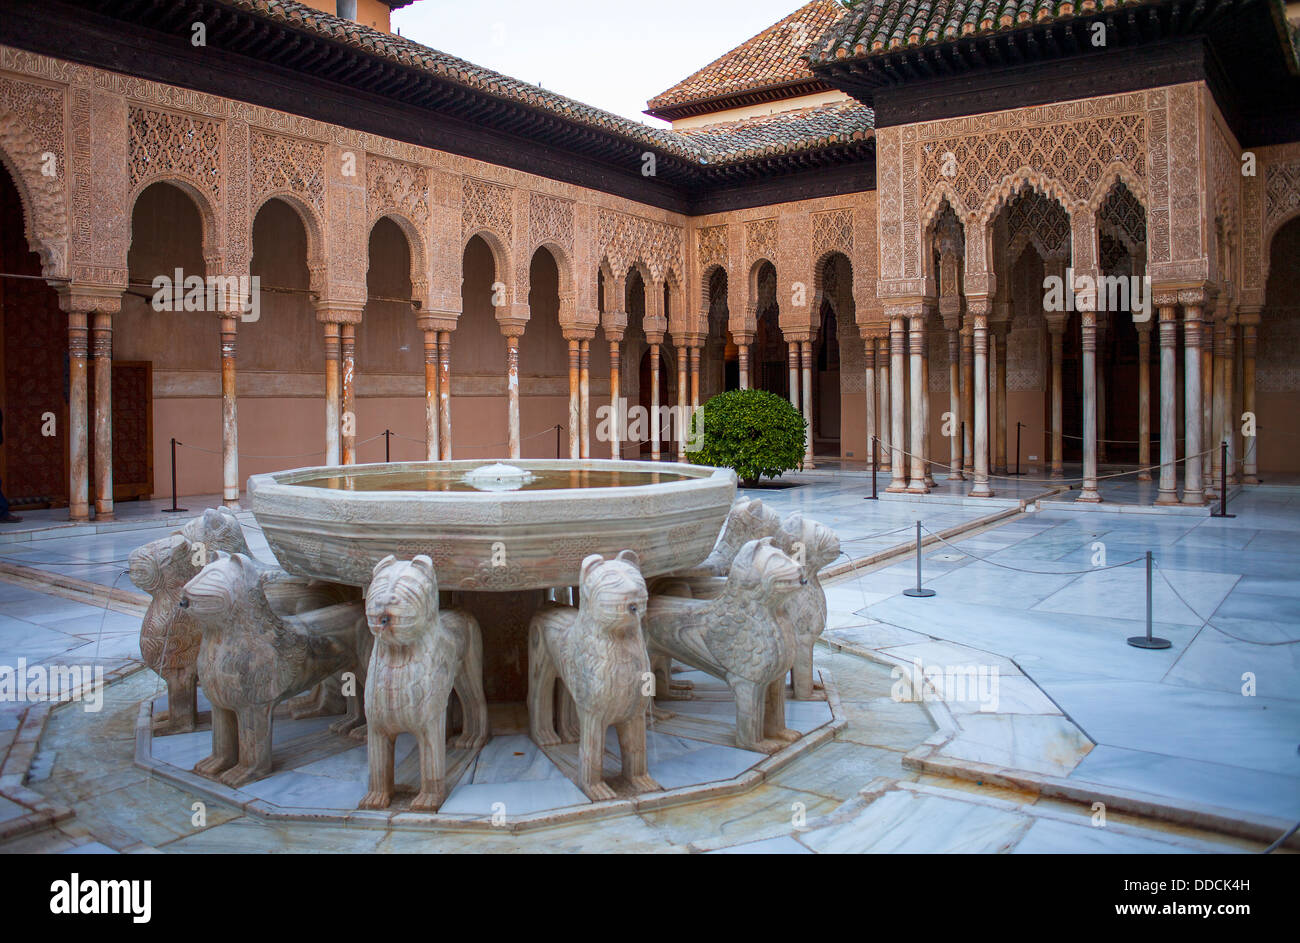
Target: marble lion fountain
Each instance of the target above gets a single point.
(551, 598)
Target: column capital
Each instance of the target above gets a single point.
(88, 299)
(572, 332)
(614, 324)
(740, 338)
(432, 320)
(339, 312)
(1248, 315)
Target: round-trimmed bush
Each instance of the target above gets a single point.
(758, 434)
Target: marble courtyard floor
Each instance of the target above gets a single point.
(1182, 759)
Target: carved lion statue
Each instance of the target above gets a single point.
(742, 635)
(812, 545)
(598, 652)
(420, 654)
(252, 657)
(169, 638)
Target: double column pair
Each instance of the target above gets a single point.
(90, 311)
(799, 353)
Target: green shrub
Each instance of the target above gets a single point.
(758, 434)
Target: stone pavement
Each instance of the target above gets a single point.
(1172, 723)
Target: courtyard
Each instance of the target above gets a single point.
(1183, 753)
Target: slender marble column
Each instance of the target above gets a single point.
(431, 395)
(1088, 492)
(1000, 398)
(742, 351)
(1193, 414)
(229, 416)
(869, 363)
(348, 401)
(584, 394)
(102, 341)
(332, 394)
(683, 418)
(792, 362)
(1249, 444)
(512, 394)
(1056, 334)
(1168, 493)
(980, 343)
(805, 356)
(575, 405)
(1216, 437)
(695, 377)
(1102, 334)
(954, 404)
(78, 446)
(916, 344)
(968, 399)
(615, 369)
(884, 411)
(1209, 484)
(925, 412)
(1229, 421)
(897, 346)
(1144, 398)
(655, 447)
(444, 394)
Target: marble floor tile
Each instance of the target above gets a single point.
(902, 822)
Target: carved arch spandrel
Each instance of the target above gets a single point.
(43, 198)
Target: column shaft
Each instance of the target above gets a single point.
(968, 401)
(444, 394)
(229, 417)
(78, 444)
(792, 362)
(1193, 413)
(897, 346)
(916, 343)
(332, 418)
(980, 344)
(1000, 400)
(1058, 405)
(348, 354)
(1144, 400)
(1249, 444)
(654, 403)
(884, 412)
(869, 350)
(512, 395)
(615, 368)
(103, 418)
(743, 357)
(575, 396)
(805, 356)
(954, 405)
(1168, 492)
(683, 417)
(1089, 491)
(431, 396)
(584, 394)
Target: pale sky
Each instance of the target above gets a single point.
(614, 54)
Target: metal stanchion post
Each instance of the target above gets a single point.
(387, 434)
(875, 457)
(174, 509)
(1223, 483)
(1147, 641)
(919, 590)
(558, 427)
(1018, 472)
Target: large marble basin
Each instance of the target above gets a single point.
(335, 523)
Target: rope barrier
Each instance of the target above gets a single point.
(1060, 481)
(1207, 622)
(196, 448)
(1007, 566)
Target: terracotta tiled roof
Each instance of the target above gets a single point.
(879, 26)
(772, 58)
(822, 126)
(702, 151)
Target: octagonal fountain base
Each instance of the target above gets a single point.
(510, 783)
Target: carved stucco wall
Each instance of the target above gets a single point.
(1071, 151)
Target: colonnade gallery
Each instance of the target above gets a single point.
(947, 229)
